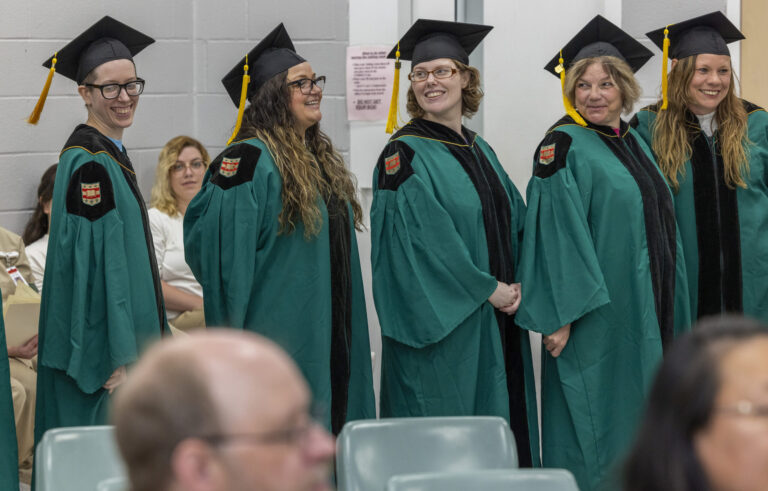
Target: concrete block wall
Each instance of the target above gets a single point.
(198, 41)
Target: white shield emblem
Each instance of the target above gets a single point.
(229, 167)
(91, 193)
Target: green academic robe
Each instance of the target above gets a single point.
(9, 452)
(600, 252)
(306, 294)
(102, 303)
(724, 230)
(445, 227)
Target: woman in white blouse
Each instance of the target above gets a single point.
(180, 169)
(36, 231)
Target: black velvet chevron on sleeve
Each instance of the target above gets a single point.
(551, 154)
(89, 193)
(235, 165)
(394, 165)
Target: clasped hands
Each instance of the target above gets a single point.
(506, 297)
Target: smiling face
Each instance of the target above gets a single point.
(733, 447)
(597, 97)
(110, 116)
(710, 83)
(304, 107)
(440, 98)
(186, 175)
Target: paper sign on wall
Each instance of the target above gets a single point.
(370, 76)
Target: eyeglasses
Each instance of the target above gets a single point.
(440, 72)
(745, 408)
(289, 436)
(306, 85)
(112, 91)
(195, 165)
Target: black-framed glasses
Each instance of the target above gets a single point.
(297, 435)
(439, 72)
(112, 91)
(306, 85)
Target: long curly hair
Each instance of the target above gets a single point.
(471, 95)
(310, 167)
(670, 133)
(37, 226)
(162, 196)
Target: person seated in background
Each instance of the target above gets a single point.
(21, 359)
(35, 234)
(185, 421)
(706, 424)
(179, 176)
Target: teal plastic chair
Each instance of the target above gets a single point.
(490, 480)
(370, 452)
(79, 458)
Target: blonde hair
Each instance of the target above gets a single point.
(162, 196)
(309, 168)
(617, 69)
(470, 95)
(670, 132)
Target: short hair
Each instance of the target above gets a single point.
(151, 419)
(616, 68)
(681, 403)
(162, 196)
(470, 95)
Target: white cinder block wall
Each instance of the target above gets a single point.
(198, 41)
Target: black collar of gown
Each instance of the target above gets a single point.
(603, 130)
(423, 128)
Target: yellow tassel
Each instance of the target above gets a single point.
(665, 59)
(243, 99)
(393, 110)
(566, 102)
(35, 116)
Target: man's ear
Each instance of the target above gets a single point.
(195, 467)
(85, 94)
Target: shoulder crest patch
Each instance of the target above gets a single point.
(547, 154)
(229, 166)
(392, 163)
(91, 193)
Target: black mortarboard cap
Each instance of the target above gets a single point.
(428, 40)
(708, 34)
(600, 37)
(106, 40)
(274, 54)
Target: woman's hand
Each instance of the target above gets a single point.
(26, 351)
(517, 295)
(556, 341)
(117, 378)
(503, 296)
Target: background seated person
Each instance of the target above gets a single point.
(179, 176)
(36, 231)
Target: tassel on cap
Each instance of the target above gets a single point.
(665, 60)
(243, 99)
(393, 109)
(35, 116)
(566, 102)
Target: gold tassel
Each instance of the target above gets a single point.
(35, 116)
(566, 102)
(665, 59)
(243, 99)
(392, 116)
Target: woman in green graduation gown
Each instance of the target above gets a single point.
(102, 303)
(713, 150)
(601, 262)
(271, 235)
(445, 223)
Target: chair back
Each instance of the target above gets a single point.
(78, 458)
(369, 452)
(487, 480)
